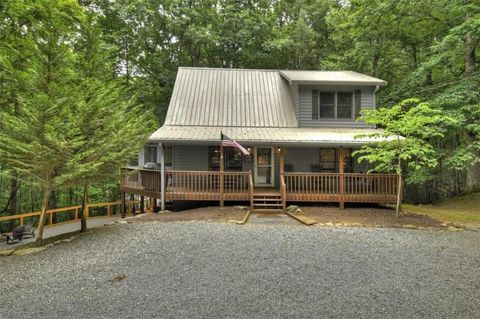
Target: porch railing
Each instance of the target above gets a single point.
(189, 185)
(336, 187)
(225, 186)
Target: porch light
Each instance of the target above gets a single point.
(248, 148)
(279, 149)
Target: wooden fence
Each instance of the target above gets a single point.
(112, 208)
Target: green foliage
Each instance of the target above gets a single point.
(405, 138)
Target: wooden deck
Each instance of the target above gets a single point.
(238, 186)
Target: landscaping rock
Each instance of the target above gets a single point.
(122, 222)
(292, 208)
(26, 251)
(409, 226)
(452, 228)
(329, 224)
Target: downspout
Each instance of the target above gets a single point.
(162, 177)
(377, 87)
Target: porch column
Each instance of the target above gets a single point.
(282, 160)
(142, 204)
(162, 176)
(222, 169)
(341, 170)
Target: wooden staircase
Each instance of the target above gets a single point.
(267, 202)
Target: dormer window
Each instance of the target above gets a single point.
(332, 105)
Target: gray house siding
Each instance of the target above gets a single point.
(305, 106)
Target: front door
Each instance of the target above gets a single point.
(264, 166)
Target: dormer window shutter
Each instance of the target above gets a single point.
(314, 104)
(358, 103)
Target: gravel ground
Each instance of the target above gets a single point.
(214, 270)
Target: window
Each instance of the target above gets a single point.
(214, 158)
(168, 156)
(327, 104)
(328, 160)
(232, 156)
(344, 105)
(332, 105)
(150, 154)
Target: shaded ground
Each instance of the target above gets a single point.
(220, 270)
(367, 216)
(65, 228)
(216, 214)
(461, 209)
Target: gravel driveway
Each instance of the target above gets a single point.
(213, 270)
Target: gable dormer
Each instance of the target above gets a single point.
(331, 98)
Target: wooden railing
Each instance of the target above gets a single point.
(189, 185)
(112, 208)
(335, 187)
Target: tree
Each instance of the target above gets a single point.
(407, 130)
(37, 139)
(110, 126)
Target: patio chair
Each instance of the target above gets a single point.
(29, 231)
(15, 236)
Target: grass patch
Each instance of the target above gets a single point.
(462, 209)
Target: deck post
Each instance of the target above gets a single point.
(123, 206)
(142, 204)
(162, 177)
(132, 201)
(341, 170)
(222, 169)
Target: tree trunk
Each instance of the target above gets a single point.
(14, 186)
(85, 209)
(399, 195)
(43, 215)
(52, 204)
(470, 59)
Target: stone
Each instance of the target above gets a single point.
(298, 210)
(122, 222)
(409, 226)
(444, 225)
(329, 224)
(6, 252)
(338, 224)
(292, 208)
(26, 251)
(452, 228)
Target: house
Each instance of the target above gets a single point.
(299, 127)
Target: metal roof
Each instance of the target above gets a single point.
(255, 135)
(230, 97)
(330, 77)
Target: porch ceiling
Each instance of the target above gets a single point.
(266, 135)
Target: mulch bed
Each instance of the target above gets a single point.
(216, 214)
(367, 216)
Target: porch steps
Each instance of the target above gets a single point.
(267, 202)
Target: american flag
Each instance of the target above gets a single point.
(228, 142)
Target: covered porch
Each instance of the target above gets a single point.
(270, 177)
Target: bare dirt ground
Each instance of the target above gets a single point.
(213, 214)
(367, 216)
